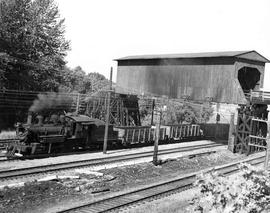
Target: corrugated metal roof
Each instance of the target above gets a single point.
(192, 55)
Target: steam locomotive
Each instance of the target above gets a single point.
(74, 132)
(64, 133)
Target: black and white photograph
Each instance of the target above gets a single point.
(131, 106)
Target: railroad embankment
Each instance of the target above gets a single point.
(82, 185)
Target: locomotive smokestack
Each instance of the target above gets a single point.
(40, 120)
(29, 118)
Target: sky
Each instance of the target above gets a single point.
(103, 30)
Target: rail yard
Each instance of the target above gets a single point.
(162, 132)
(146, 155)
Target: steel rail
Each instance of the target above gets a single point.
(154, 191)
(13, 173)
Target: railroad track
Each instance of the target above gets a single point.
(15, 173)
(154, 191)
(37, 156)
(5, 142)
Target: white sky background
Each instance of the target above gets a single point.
(103, 30)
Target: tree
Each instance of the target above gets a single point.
(177, 112)
(76, 80)
(32, 50)
(32, 39)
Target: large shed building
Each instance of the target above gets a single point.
(222, 77)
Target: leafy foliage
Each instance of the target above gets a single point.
(76, 80)
(32, 39)
(246, 192)
(177, 113)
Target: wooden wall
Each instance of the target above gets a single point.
(176, 78)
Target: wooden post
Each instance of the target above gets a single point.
(152, 116)
(217, 119)
(155, 155)
(231, 136)
(78, 104)
(201, 114)
(267, 152)
(107, 116)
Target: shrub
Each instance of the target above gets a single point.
(247, 192)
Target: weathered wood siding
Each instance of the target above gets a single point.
(198, 78)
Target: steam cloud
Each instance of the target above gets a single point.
(51, 100)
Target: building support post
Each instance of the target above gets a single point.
(107, 115)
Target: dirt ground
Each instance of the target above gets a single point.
(84, 186)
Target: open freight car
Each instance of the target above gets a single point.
(130, 135)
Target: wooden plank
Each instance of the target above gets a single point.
(198, 130)
(258, 137)
(164, 133)
(133, 135)
(127, 135)
(257, 146)
(144, 132)
(50, 147)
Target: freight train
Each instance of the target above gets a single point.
(73, 132)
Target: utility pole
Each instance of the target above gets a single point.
(153, 108)
(155, 155)
(78, 104)
(107, 115)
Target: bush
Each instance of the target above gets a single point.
(247, 192)
(176, 113)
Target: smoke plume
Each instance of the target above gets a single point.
(51, 101)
